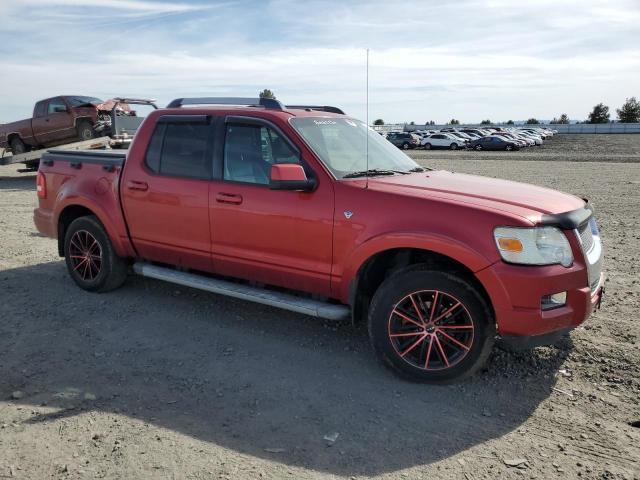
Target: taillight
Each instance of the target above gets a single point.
(41, 185)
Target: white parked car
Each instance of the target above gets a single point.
(443, 140)
(532, 136)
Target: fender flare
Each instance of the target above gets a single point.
(446, 246)
(121, 245)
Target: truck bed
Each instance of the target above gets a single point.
(113, 158)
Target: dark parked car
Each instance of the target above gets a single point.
(493, 143)
(403, 140)
(475, 131)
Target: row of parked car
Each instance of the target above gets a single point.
(489, 138)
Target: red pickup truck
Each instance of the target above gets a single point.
(55, 120)
(307, 209)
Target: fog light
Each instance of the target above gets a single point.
(554, 300)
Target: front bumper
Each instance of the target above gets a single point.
(516, 292)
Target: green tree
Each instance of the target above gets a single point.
(266, 93)
(600, 114)
(630, 111)
(379, 121)
(533, 121)
(510, 122)
(454, 122)
(430, 122)
(412, 123)
(485, 122)
(563, 120)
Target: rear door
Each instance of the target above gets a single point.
(56, 124)
(438, 140)
(276, 237)
(165, 196)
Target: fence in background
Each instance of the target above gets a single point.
(572, 128)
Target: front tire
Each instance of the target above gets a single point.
(91, 260)
(478, 147)
(509, 148)
(427, 146)
(85, 131)
(453, 146)
(430, 326)
(18, 146)
(405, 146)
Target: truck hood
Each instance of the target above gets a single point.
(521, 199)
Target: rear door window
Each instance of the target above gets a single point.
(41, 108)
(181, 149)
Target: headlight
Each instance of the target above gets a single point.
(533, 246)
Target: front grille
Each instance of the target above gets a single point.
(592, 249)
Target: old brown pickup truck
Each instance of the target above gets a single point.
(55, 121)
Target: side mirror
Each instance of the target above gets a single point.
(290, 176)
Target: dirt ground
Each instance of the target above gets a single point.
(154, 381)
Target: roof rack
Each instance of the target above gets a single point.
(320, 108)
(271, 103)
(249, 102)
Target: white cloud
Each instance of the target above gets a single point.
(125, 5)
(468, 60)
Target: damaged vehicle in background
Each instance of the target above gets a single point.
(66, 119)
(58, 120)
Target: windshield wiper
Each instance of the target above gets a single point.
(373, 172)
(419, 169)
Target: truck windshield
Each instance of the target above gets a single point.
(341, 144)
(76, 101)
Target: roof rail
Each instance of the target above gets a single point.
(249, 102)
(320, 108)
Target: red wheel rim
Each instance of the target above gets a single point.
(431, 330)
(86, 255)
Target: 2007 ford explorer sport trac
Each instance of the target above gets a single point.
(307, 209)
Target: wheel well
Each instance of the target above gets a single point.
(68, 215)
(11, 136)
(384, 264)
(81, 120)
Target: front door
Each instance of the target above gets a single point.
(166, 197)
(272, 236)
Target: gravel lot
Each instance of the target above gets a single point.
(154, 381)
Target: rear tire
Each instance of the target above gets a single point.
(405, 146)
(509, 148)
(91, 260)
(85, 131)
(478, 147)
(18, 146)
(430, 326)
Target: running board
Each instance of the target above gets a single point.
(286, 301)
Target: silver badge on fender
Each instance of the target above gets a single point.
(348, 214)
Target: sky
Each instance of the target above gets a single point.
(429, 60)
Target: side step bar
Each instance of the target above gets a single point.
(286, 301)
